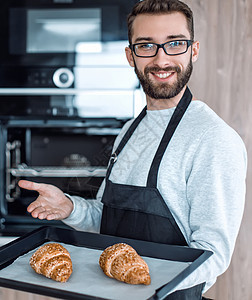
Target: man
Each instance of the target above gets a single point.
(177, 173)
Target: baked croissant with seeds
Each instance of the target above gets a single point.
(122, 262)
(53, 261)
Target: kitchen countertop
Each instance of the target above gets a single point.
(6, 239)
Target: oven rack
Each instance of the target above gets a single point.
(23, 170)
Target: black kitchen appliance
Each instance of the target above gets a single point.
(69, 153)
(41, 40)
(66, 90)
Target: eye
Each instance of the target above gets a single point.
(145, 47)
(176, 44)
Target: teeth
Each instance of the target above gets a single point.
(163, 75)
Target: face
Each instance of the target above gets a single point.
(164, 90)
(162, 76)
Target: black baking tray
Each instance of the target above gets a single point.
(30, 241)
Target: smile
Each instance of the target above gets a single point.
(163, 75)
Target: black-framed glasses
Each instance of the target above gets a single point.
(170, 48)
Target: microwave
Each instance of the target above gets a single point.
(44, 41)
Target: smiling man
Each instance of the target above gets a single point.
(160, 77)
(177, 172)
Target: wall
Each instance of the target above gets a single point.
(10, 294)
(222, 78)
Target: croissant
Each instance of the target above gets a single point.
(122, 262)
(53, 261)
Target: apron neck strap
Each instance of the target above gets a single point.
(170, 129)
(125, 139)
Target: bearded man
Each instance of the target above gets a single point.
(177, 172)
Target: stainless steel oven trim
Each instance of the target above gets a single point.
(57, 91)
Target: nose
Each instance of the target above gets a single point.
(161, 59)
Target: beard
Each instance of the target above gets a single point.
(164, 90)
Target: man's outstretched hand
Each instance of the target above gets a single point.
(51, 204)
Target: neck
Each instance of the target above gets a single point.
(159, 104)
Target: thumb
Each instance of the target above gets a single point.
(33, 186)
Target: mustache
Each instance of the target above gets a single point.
(158, 69)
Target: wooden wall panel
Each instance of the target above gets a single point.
(223, 79)
(10, 294)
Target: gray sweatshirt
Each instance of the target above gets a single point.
(201, 179)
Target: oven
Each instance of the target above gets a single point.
(69, 153)
(66, 90)
(57, 140)
(44, 42)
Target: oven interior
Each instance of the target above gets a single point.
(72, 155)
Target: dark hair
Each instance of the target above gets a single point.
(159, 7)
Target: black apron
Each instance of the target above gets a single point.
(140, 212)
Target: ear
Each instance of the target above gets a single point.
(129, 56)
(195, 51)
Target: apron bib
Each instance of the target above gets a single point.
(140, 212)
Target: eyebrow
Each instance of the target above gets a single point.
(169, 37)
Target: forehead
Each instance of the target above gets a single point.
(159, 27)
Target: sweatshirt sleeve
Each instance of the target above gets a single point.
(216, 195)
(86, 215)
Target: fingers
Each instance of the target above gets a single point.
(34, 205)
(43, 212)
(42, 209)
(53, 216)
(33, 186)
(37, 209)
(39, 212)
